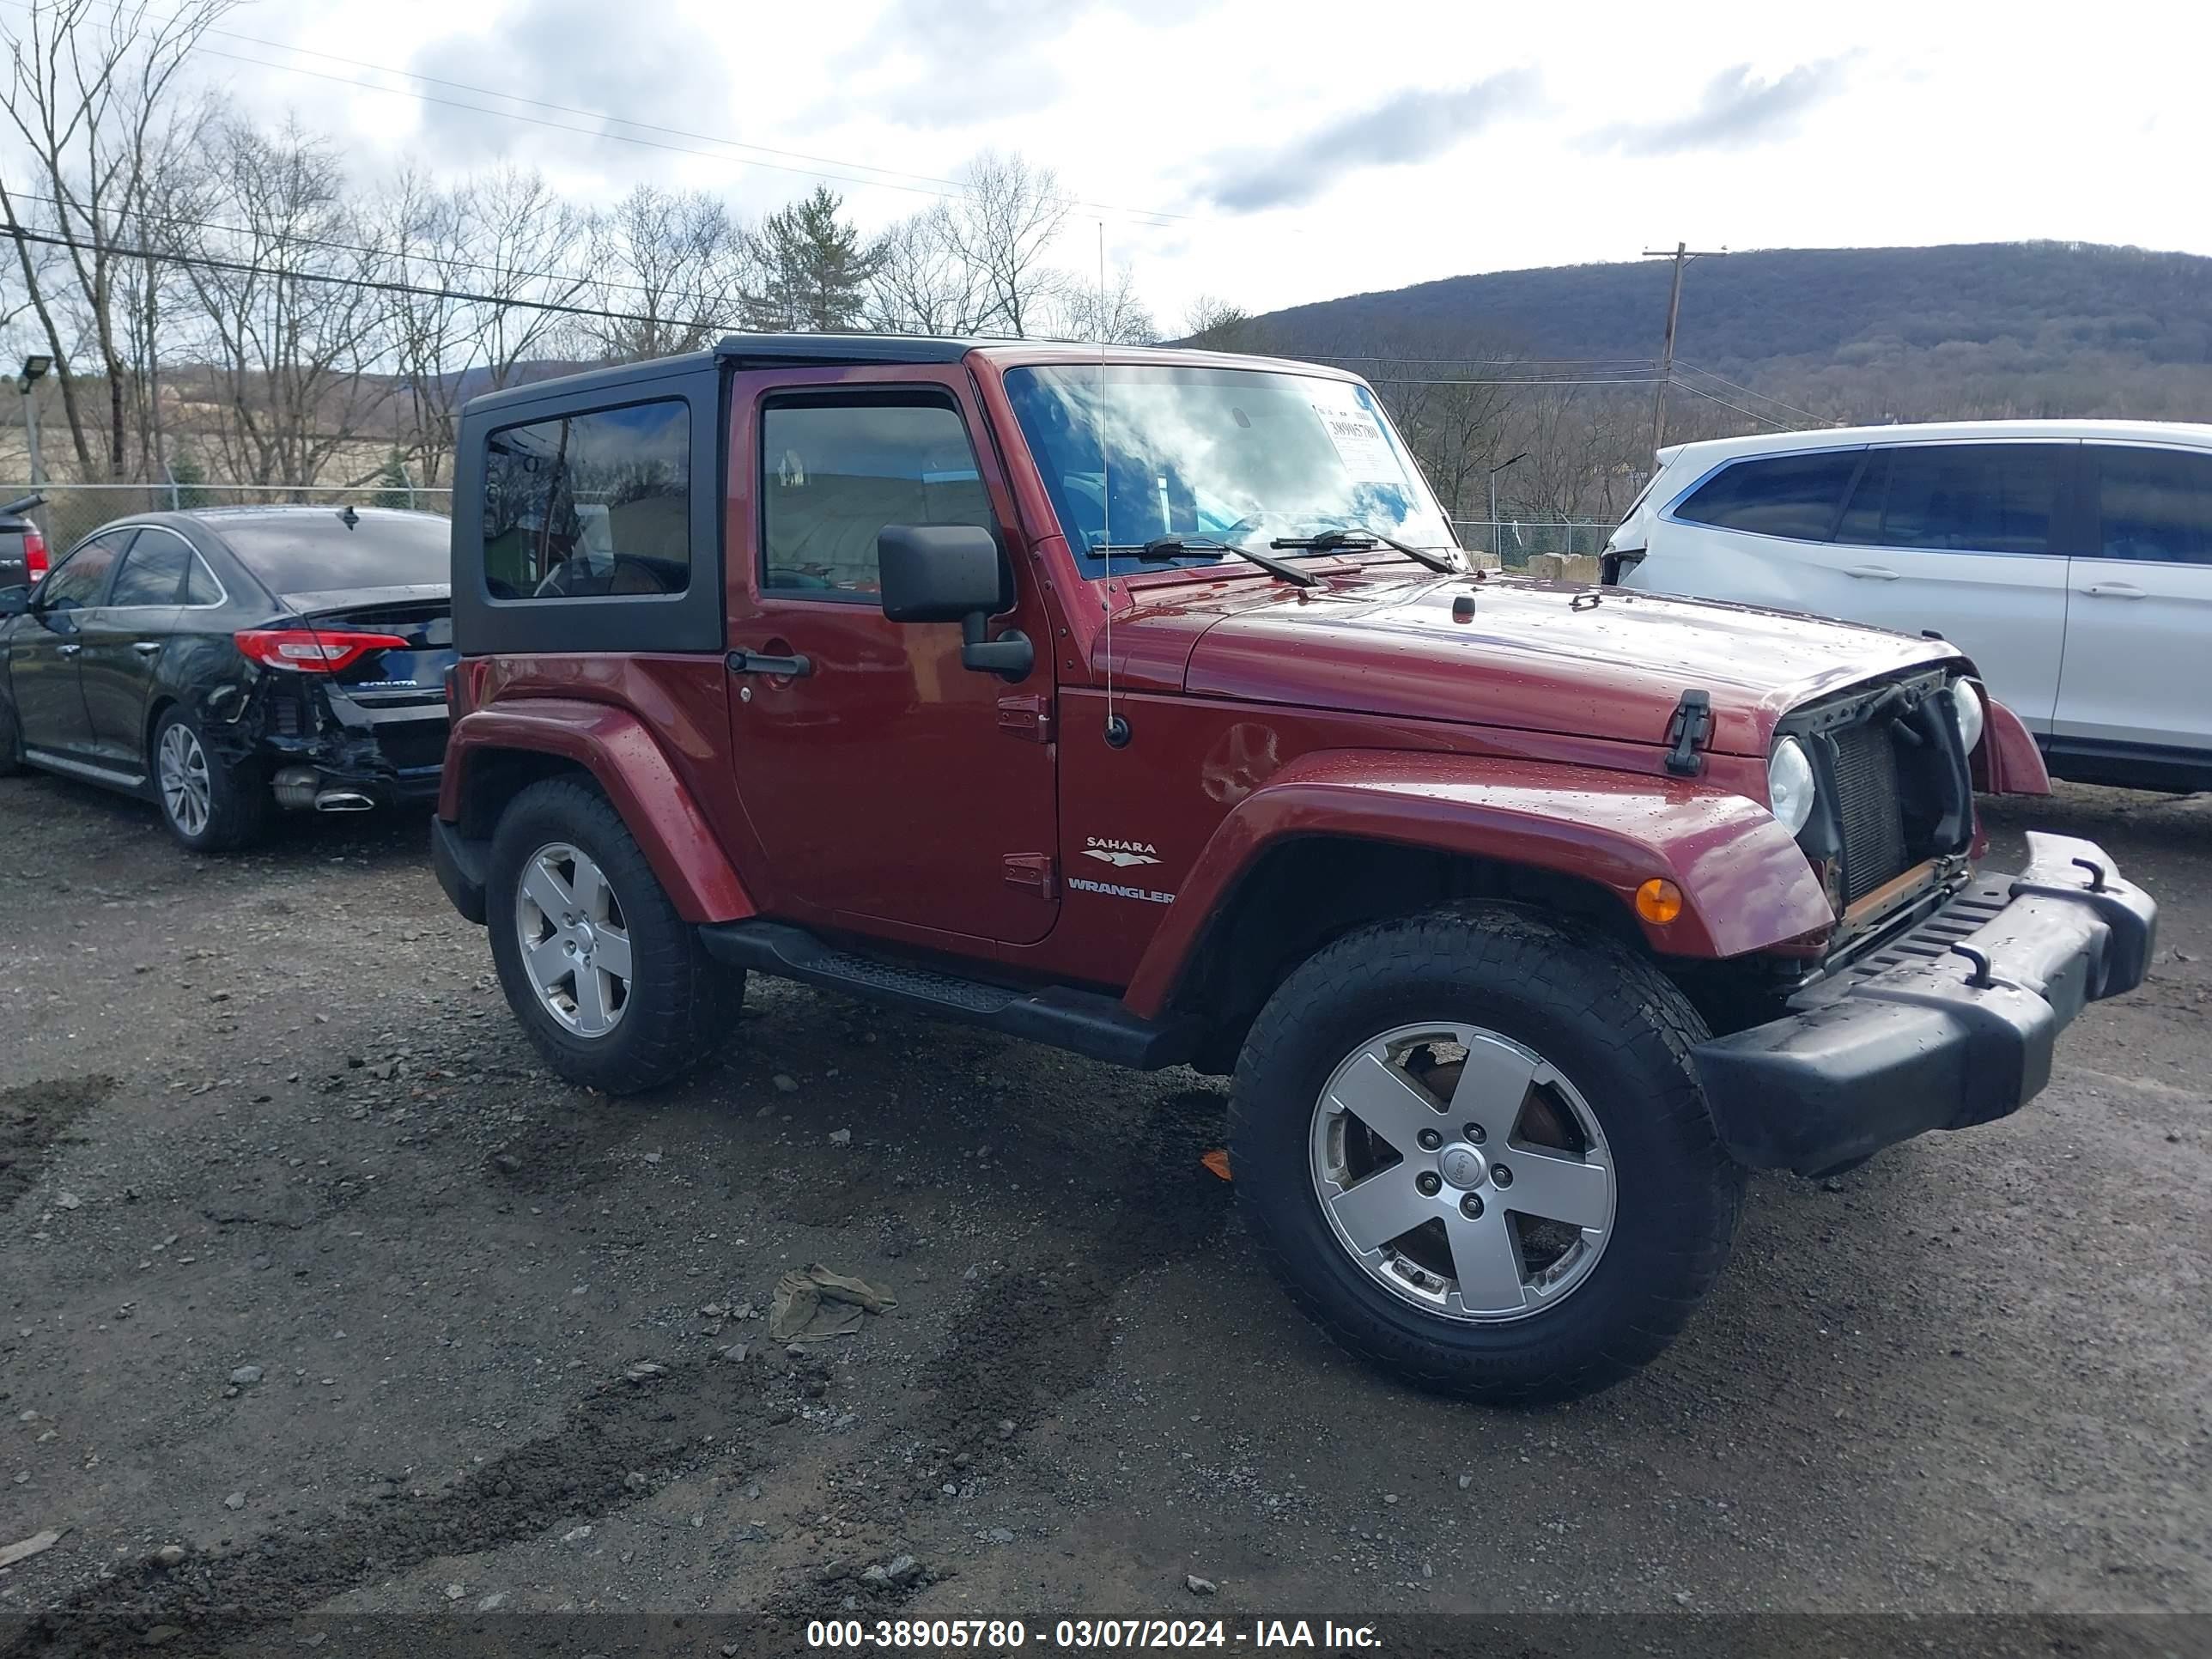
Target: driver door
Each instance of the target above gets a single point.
(44, 646)
(892, 790)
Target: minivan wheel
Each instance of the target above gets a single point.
(611, 984)
(1472, 1146)
(209, 806)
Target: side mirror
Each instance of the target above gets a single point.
(15, 601)
(941, 573)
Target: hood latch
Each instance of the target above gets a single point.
(1693, 723)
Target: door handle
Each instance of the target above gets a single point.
(2115, 591)
(1871, 573)
(147, 648)
(793, 667)
(68, 650)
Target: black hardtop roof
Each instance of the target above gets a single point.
(739, 351)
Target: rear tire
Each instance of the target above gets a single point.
(612, 986)
(1386, 1094)
(208, 807)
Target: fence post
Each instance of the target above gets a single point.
(176, 500)
(408, 478)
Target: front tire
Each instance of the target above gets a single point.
(612, 986)
(208, 807)
(1472, 1146)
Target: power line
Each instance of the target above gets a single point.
(1696, 390)
(1503, 362)
(292, 239)
(1764, 397)
(208, 262)
(824, 168)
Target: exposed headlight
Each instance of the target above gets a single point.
(1789, 784)
(1966, 710)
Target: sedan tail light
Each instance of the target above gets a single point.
(36, 562)
(314, 650)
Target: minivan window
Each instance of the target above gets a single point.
(591, 505)
(1964, 498)
(1792, 495)
(2154, 505)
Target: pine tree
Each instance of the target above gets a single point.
(816, 268)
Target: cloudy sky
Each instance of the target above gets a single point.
(1271, 151)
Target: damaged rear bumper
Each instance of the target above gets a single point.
(1951, 1025)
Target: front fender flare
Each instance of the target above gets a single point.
(1746, 885)
(616, 747)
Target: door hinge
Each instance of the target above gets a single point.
(1032, 870)
(1686, 734)
(1029, 717)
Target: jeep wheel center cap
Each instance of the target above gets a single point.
(1462, 1168)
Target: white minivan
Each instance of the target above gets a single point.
(2071, 560)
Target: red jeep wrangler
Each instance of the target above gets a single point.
(1142, 704)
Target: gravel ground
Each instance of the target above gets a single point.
(312, 1278)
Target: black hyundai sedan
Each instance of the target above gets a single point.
(217, 661)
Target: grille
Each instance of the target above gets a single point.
(1867, 802)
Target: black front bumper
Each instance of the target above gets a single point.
(1950, 1024)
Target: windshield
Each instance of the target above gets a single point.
(1236, 454)
(310, 550)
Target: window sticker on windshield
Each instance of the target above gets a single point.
(1359, 443)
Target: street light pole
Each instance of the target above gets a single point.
(35, 369)
(1497, 535)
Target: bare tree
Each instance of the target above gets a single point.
(923, 285)
(524, 248)
(1214, 325)
(1004, 228)
(681, 262)
(91, 92)
(1116, 314)
(290, 326)
(1453, 414)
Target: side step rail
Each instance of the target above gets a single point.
(1086, 1023)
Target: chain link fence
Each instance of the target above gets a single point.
(73, 511)
(1516, 541)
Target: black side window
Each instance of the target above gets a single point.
(1965, 498)
(594, 505)
(2155, 504)
(835, 472)
(77, 581)
(152, 571)
(200, 585)
(1793, 495)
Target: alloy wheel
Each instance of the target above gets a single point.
(188, 792)
(575, 942)
(1462, 1173)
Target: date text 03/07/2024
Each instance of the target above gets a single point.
(1009, 1635)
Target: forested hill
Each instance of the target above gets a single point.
(1995, 328)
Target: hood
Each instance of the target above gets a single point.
(1534, 656)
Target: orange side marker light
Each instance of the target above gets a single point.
(1659, 901)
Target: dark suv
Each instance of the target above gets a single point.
(1144, 705)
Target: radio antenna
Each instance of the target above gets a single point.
(1117, 729)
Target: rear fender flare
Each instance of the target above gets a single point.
(1746, 885)
(631, 768)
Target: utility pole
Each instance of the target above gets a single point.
(1681, 256)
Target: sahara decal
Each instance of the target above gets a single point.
(1121, 855)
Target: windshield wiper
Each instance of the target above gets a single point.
(1330, 540)
(1161, 548)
